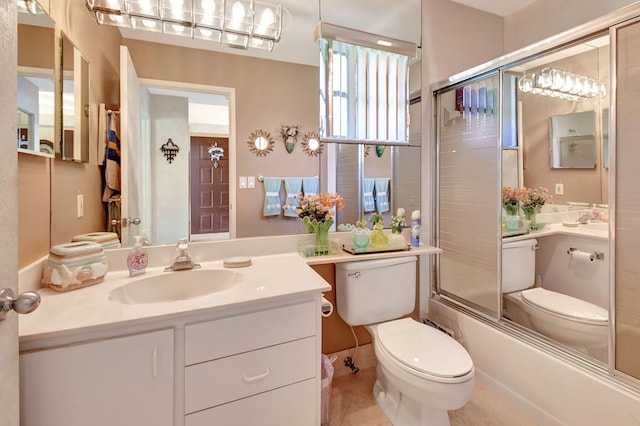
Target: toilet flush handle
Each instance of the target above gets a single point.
(354, 274)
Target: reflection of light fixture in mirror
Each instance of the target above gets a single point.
(311, 144)
(170, 150)
(562, 85)
(260, 143)
(29, 6)
(237, 23)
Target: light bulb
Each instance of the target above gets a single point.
(205, 32)
(237, 11)
(267, 18)
(149, 23)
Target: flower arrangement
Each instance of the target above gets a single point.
(398, 222)
(289, 136)
(510, 200)
(318, 207)
(532, 200)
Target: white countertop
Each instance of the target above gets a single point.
(91, 310)
(599, 231)
(343, 256)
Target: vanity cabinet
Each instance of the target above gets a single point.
(120, 381)
(256, 368)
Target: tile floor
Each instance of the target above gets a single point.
(352, 401)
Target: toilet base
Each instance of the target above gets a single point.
(402, 410)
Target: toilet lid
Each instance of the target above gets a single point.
(566, 306)
(424, 348)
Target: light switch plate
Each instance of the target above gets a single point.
(251, 182)
(80, 206)
(559, 189)
(243, 181)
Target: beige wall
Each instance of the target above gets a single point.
(268, 94)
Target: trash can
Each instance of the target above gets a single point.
(326, 376)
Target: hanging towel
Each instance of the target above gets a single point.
(293, 186)
(310, 185)
(112, 161)
(367, 195)
(382, 198)
(272, 204)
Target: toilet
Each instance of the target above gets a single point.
(422, 372)
(568, 320)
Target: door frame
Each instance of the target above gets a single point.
(230, 92)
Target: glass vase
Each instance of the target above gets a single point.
(321, 231)
(361, 239)
(530, 215)
(511, 221)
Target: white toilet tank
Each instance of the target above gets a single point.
(518, 265)
(373, 291)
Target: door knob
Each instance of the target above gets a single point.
(126, 221)
(23, 304)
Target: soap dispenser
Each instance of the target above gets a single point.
(138, 259)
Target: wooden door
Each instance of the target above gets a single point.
(209, 187)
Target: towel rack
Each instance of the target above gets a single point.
(261, 177)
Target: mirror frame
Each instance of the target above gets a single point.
(307, 140)
(253, 139)
(78, 149)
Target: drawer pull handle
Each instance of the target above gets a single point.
(256, 377)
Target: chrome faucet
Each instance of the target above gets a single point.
(586, 218)
(183, 259)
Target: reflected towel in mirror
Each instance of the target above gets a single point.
(382, 197)
(310, 185)
(272, 203)
(293, 186)
(367, 195)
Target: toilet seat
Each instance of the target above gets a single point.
(568, 307)
(425, 351)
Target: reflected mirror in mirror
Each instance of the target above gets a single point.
(559, 143)
(572, 141)
(36, 63)
(75, 101)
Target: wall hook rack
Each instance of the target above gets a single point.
(170, 150)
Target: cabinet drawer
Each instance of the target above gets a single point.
(228, 379)
(290, 405)
(228, 336)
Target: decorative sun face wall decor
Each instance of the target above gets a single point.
(311, 144)
(260, 143)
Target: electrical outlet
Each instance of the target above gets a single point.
(251, 182)
(80, 206)
(559, 189)
(243, 181)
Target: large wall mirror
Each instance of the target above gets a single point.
(36, 64)
(75, 103)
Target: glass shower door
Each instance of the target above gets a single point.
(468, 194)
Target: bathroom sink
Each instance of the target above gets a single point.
(174, 286)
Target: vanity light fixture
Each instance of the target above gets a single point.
(562, 85)
(238, 23)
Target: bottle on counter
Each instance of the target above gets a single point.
(415, 228)
(138, 259)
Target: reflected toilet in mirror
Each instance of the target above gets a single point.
(568, 320)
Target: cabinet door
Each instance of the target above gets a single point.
(123, 381)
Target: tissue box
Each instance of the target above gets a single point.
(74, 265)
